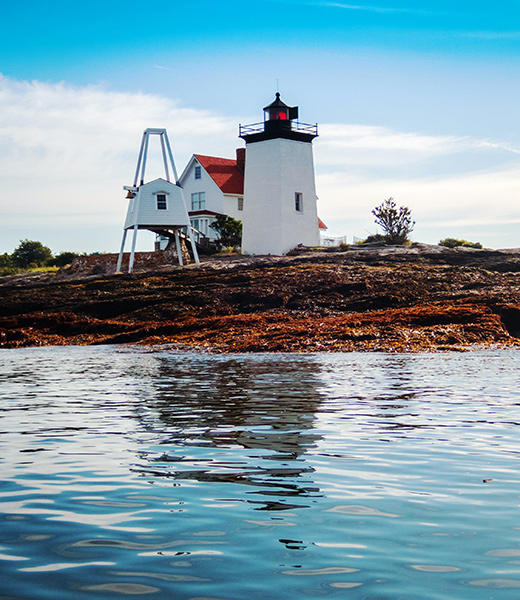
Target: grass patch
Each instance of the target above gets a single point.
(6, 271)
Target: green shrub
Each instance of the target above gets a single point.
(229, 250)
(32, 256)
(453, 243)
(374, 238)
(7, 267)
(62, 259)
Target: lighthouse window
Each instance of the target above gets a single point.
(161, 201)
(240, 204)
(198, 201)
(277, 114)
(298, 201)
(197, 172)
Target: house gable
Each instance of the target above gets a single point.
(215, 184)
(224, 172)
(146, 209)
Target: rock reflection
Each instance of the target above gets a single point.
(264, 406)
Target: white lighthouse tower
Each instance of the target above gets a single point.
(279, 190)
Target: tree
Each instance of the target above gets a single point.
(29, 253)
(228, 229)
(395, 222)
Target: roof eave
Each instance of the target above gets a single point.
(187, 169)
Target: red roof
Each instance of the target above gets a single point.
(224, 172)
(321, 224)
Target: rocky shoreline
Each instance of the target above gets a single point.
(394, 299)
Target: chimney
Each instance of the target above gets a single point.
(241, 159)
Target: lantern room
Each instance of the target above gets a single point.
(279, 111)
(280, 121)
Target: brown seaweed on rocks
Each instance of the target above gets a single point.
(396, 299)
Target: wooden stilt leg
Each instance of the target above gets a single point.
(178, 246)
(132, 253)
(120, 259)
(193, 245)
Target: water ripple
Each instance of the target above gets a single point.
(130, 472)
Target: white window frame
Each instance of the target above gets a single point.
(198, 172)
(198, 201)
(157, 200)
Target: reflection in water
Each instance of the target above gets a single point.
(131, 471)
(265, 407)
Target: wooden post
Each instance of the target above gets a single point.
(132, 253)
(193, 245)
(120, 259)
(145, 154)
(164, 157)
(171, 156)
(178, 246)
(136, 179)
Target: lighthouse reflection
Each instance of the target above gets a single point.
(245, 421)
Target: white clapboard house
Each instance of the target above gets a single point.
(213, 186)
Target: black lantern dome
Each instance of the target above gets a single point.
(280, 121)
(279, 111)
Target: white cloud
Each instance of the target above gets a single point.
(378, 146)
(360, 166)
(372, 137)
(66, 152)
(357, 7)
(344, 144)
(481, 206)
(369, 8)
(491, 35)
(496, 146)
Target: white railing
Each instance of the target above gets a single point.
(330, 241)
(292, 125)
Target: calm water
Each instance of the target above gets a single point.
(131, 472)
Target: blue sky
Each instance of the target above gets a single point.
(415, 100)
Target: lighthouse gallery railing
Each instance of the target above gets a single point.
(292, 125)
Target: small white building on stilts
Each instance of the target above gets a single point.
(158, 205)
